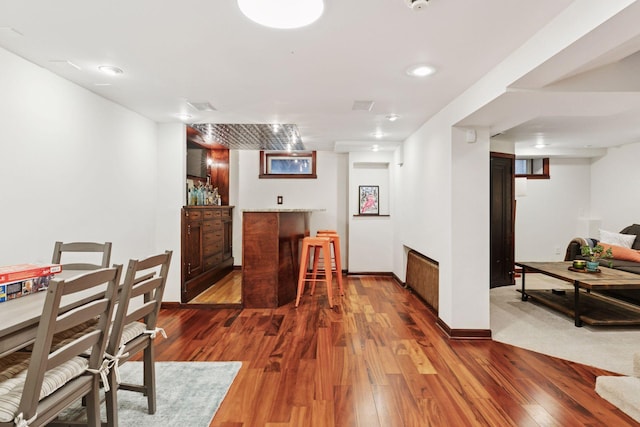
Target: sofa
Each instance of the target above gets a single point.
(625, 259)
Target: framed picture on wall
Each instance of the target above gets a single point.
(368, 200)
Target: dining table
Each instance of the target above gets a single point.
(19, 317)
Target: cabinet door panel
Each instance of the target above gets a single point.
(193, 249)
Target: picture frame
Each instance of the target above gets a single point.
(368, 200)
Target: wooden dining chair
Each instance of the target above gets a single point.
(49, 381)
(88, 249)
(135, 327)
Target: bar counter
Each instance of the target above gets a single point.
(270, 247)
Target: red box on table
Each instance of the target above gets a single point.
(13, 273)
(23, 279)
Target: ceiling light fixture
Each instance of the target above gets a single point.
(420, 70)
(283, 14)
(110, 69)
(378, 134)
(392, 117)
(375, 148)
(184, 116)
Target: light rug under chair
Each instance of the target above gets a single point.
(188, 394)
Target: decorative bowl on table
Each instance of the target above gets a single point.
(579, 264)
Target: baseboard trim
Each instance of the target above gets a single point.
(370, 273)
(398, 281)
(464, 334)
(207, 306)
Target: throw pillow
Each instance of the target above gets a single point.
(624, 240)
(622, 253)
(633, 229)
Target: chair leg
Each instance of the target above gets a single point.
(111, 400)
(150, 377)
(336, 253)
(304, 263)
(93, 404)
(316, 259)
(328, 274)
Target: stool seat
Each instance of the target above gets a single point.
(320, 246)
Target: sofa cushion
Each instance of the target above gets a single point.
(618, 239)
(622, 253)
(633, 229)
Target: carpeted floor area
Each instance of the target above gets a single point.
(188, 394)
(537, 328)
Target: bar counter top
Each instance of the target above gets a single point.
(283, 210)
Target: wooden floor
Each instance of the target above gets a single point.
(227, 290)
(377, 359)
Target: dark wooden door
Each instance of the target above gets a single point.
(502, 246)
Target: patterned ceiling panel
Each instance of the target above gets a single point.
(252, 136)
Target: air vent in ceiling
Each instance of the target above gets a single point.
(362, 105)
(202, 106)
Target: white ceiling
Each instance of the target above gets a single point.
(207, 51)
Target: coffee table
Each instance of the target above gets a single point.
(581, 303)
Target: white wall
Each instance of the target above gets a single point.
(170, 180)
(73, 167)
(327, 192)
(615, 188)
(549, 216)
(582, 196)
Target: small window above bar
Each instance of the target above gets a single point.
(278, 164)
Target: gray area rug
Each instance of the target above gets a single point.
(188, 394)
(537, 328)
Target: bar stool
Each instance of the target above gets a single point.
(335, 259)
(319, 245)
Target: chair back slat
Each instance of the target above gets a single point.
(82, 314)
(146, 286)
(82, 247)
(73, 348)
(140, 313)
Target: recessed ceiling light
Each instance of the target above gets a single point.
(540, 145)
(284, 14)
(375, 148)
(184, 116)
(392, 117)
(420, 70)
(110, 69)
(378, 134)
